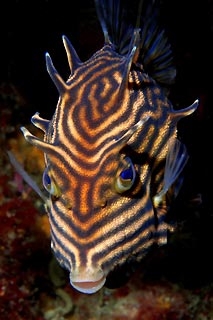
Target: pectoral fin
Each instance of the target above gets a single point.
(26, 177)
(175, 162)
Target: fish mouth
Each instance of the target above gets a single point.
(87, 279)
(88, 286)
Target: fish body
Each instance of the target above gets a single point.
(111, 149)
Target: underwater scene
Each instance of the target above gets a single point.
(105, 207)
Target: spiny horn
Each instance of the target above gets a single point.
(40, 123)
(56, 78)
(125, 76)
(40, 144)
(123, 140)
(135, 42)
(178, 114)
(131, 57)
(73, 59)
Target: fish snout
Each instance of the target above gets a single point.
(88, 280)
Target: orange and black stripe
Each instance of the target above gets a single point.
(105, 150)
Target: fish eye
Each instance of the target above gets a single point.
(49, 184)
(46, 180)
(126, 178)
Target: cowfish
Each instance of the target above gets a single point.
(113, 159)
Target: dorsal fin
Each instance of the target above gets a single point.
(116, 24)
(153, 47)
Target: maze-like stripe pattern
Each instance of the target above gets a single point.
(105, 151)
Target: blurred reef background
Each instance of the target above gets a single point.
(174, 282)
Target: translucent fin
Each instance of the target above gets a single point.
(113, 19)
(155, 50)
(26, 177)
(120, 20)
(176, 160)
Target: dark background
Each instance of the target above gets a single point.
(189, 26)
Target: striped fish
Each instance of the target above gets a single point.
(113, 159)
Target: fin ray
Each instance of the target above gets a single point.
(26, 176)
(154, 49)
(176, 160)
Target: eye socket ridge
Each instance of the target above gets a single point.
(126, 178)
(49, 183)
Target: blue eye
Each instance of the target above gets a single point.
(127, 174)
(125, 180)
(46, 180)
(49, 185)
